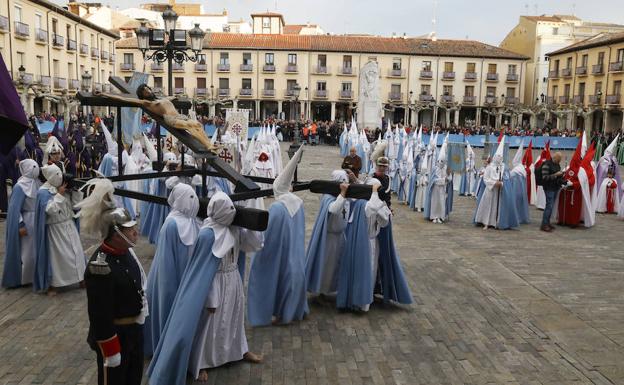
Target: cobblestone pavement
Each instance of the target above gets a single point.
(491, 307)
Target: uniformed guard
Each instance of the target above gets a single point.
(115, 283)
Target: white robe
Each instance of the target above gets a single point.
(220, 336)
(378, 216)
(601, 198)
(67, 258)
(421, 187)
(339, 212)
(487, 211)
(438, 193)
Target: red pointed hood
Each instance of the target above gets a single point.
(575, 163)
(587, 166)
(527, 159)
(544, 156)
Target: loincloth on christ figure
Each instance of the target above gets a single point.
(174, 121)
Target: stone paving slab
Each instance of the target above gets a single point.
(491, 307)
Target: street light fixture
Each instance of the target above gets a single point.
(169, 45)
(86, 81)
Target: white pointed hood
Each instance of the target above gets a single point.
(443, 149)
(283, 183)
(517, 160)
(584, 145)
(152, 154)
(500, 152)
(469, 151)
(111, 145)
(611, 148)
(53, 145)
(215, 135)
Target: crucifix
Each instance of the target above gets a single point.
(165, 111)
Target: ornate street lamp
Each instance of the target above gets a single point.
(22, 72)
(169, 45)
(170, 17)
(86, 81)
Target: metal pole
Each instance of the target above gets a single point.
(169, 71)
(120, 147)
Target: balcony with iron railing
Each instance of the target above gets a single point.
(201, 91)
(566, 72)
(564, 99)
(179, 90)
(126, 66)
(346, 70)
(221, 67)
(44, 80)
(201, 67)
(71, 45)
(616, 67)
(395, 96)
(578, 99)
(396, 73)
(58, 41)
(346, 94)
(291, 69)
(74, 84)
(112, 58)
(491, 100)
(512, 78)
(157, 67)
(581, 71)
(320, 94)
(245, 68)
(158, 90)
(245, 92)
(177, 67)
(104, 56)
(554, 74)
(594, 100)
(469, 99)
(268, 68)
(95, 53)
(84, 49)
(27, 78)
(270, 93)
(41, 36)
(22, 30)
(447, 98)
(550, 99)
(321, 70)
(4, 24)
(491, 77)
(224, 92)
(597, 69)
(613, 99)
(425, 98)
(448, 76)
(470, 76)
(426, 74)
(60, 83)
(511, 100)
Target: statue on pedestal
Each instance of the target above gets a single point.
(369, 102)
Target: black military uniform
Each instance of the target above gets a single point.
(115, 302)
(384, 190)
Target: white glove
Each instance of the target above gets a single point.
(112, 361)
(568, 184)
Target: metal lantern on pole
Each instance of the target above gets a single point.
(197, 38)
(169, 18)
(86, 80)
(142, 34)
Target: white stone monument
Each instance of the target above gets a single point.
(369, 101)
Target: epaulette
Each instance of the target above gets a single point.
(99, 266)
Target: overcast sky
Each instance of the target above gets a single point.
(484, 20)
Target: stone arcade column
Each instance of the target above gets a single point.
(279, 109)
(478, 117)
(333, 111)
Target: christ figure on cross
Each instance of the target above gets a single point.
(164, 112)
